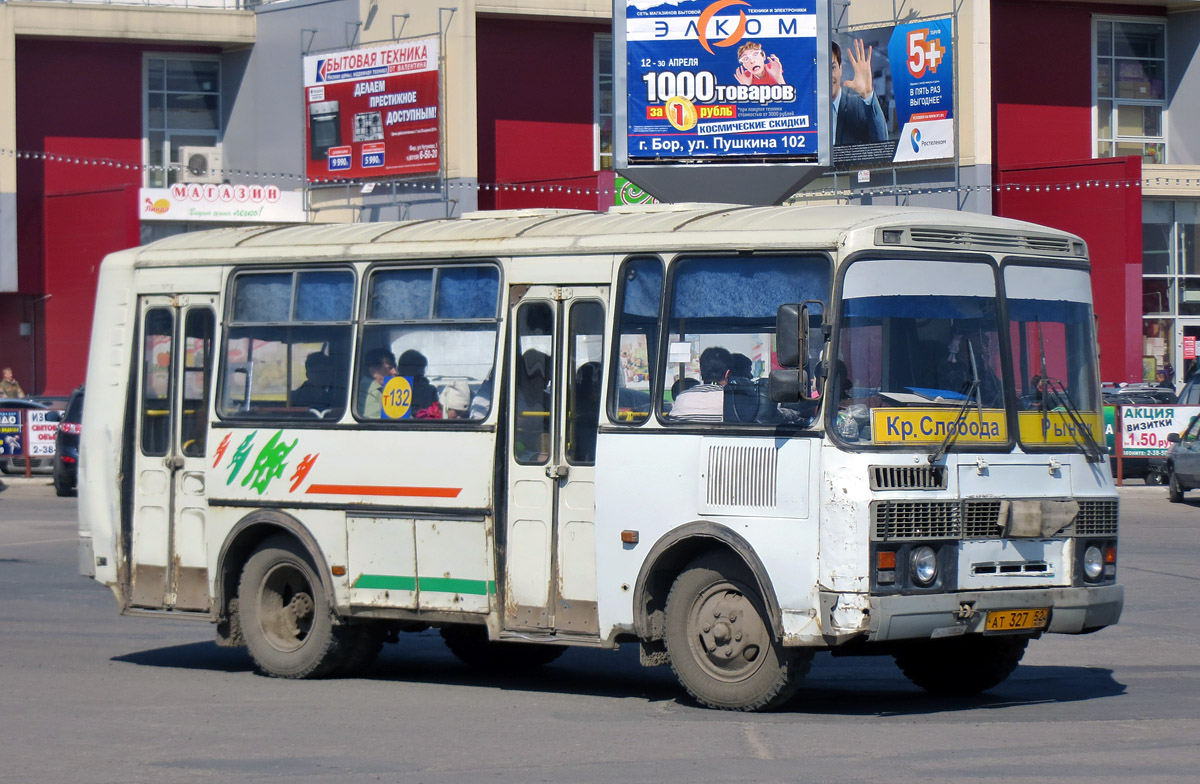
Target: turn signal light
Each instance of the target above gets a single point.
(1110, 554)
(629, 537)
(885, 559)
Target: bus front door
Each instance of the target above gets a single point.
(164, 542)
(555, 361)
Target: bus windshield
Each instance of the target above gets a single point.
(1051, 332)
(916, 334)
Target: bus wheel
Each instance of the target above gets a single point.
(961, 666)
(285, 614)
(720, 643)
(473, 648)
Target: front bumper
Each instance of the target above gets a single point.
(1072, 611)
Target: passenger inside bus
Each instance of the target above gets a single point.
(425, 405)
(531, 437)
(379, 365)
(456, 400)
(318, 392)
(705, 402)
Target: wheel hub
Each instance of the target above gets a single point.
(729, 633)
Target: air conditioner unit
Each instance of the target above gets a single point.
(199, 164)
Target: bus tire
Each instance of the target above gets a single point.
(285, 615)
(470, 644)
(720, 642)
(961, 666)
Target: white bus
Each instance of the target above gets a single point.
(732, 435)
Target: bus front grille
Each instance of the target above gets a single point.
(915, 519)
(1097, 517)
(976, 519)
(916, 477)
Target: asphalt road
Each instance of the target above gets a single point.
(89, 696)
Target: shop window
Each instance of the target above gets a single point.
(182, 108)
(1129, 93)
(602, 103)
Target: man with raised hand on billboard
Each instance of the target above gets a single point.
(857, 116)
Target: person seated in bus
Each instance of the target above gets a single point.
(456, 400)
(682, 385)
(587, 412)
(531, 434)
(318, 392)
(380, 367)
(705, 402)
(481, 401)
(425, 405)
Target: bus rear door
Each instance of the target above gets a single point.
(554, 404)
(165, 542)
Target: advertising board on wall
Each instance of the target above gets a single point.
(894, 100)
(721, 81)
(1144, 429)
(221, 203)
(373, 112)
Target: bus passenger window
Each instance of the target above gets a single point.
(158, 356)
(721, 337)
(287, 346)
(436, 325)
(634, 360)
(533, 383)
(198, 328)
(585, 347)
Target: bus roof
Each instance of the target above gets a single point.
(645, 228)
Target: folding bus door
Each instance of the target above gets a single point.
(166, 545)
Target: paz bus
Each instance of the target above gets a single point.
(733, 436)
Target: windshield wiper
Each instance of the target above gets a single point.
(972, 394)
(1080, 431)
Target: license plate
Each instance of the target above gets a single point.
(1016, 620)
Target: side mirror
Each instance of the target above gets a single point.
(54, 416)
(787, 385)
(791, 335)
(1173, 438)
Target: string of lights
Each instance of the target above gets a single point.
(417, 186)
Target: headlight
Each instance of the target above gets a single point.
(924, 565)
(1093, 562)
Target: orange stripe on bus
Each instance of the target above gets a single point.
(421, 492)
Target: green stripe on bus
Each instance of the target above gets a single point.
(388, 582)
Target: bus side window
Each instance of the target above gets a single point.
(585, 341)
(438, 326)
(198, 328)
(533, 386)
(634, 358)
(277, 324)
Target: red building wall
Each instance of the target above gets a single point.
(81, 102)
(535, 91)
(1042, 137)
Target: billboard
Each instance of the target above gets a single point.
(221, 203)
(373, 112)
(721, 81)
(893, 94)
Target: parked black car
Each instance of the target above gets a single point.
(66, 445)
